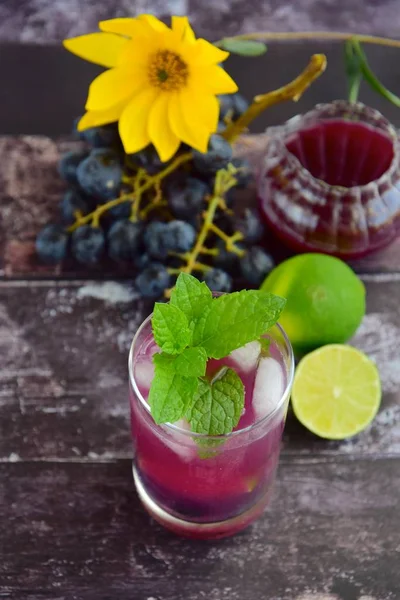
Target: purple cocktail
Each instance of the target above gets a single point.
(204, 486)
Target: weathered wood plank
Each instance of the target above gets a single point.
(63, 371)
(30, 192)
(73, 531)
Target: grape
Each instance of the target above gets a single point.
(256, 264)
(88, 244)
(123, 210)
(233, 105)
(218, 280)
(51, 244)
(161, 238)
(154, 239)
(142, 260)
(100, 174)
(221, 126)
(101, 137)
(152, 282)
(240, 105)
(217, 157)
(224, 259)
(244, 175)
(147, 159)
(250, 225)
(179, 236)
(186, 198)
(124, 239)
(225, 105)
(77, 135)
(72, 202)
(69, 163)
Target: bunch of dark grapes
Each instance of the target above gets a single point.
(100, 172)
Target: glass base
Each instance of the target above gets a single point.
(192, 529)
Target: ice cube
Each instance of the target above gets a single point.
(246, 357)
(182, 424)
(180, 443)
(268, 386)
(144, 373)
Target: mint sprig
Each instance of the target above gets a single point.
(217, 406)
(191, 296)
(170, 328)
(170, 395)
(193, 327)
(235, 319)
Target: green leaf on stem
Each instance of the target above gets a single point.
(242, 47)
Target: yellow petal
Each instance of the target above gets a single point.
(137, 51)
(101, 117)
(200, 107)
(192, 133)
(181, 26)
(160, 132)
(100, 48)
(133, 124)
(207, 54)
(212, 79)
(114, 86)
(154, 23)
(127, 27)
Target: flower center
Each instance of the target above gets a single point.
(167, 70)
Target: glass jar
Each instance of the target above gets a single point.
(330, 180)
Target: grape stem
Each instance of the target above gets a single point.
(291, 91)
(156, 202)
(224, 181)
(151, 181)
(229, 239)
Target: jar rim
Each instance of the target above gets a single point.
(325, 111)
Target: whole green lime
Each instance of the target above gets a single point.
(325, 300)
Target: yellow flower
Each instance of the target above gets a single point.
(161, 83)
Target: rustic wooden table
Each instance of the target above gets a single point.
(71, 526)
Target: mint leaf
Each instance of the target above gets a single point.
(235, 319)
(191, 296)
(170, 395)
(170, 328)
(217, 407)
(191, 362)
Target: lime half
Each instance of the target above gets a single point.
(336, 391)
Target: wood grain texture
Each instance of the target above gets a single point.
(63, 371)
(30, 193)
(73, 531)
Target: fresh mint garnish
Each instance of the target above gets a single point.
(170, 394)
(191, 296)
(217, 406)
(235, 319)
(193, 327)
(191, 363)
(170, 328)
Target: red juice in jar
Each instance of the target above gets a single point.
(204, 486)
